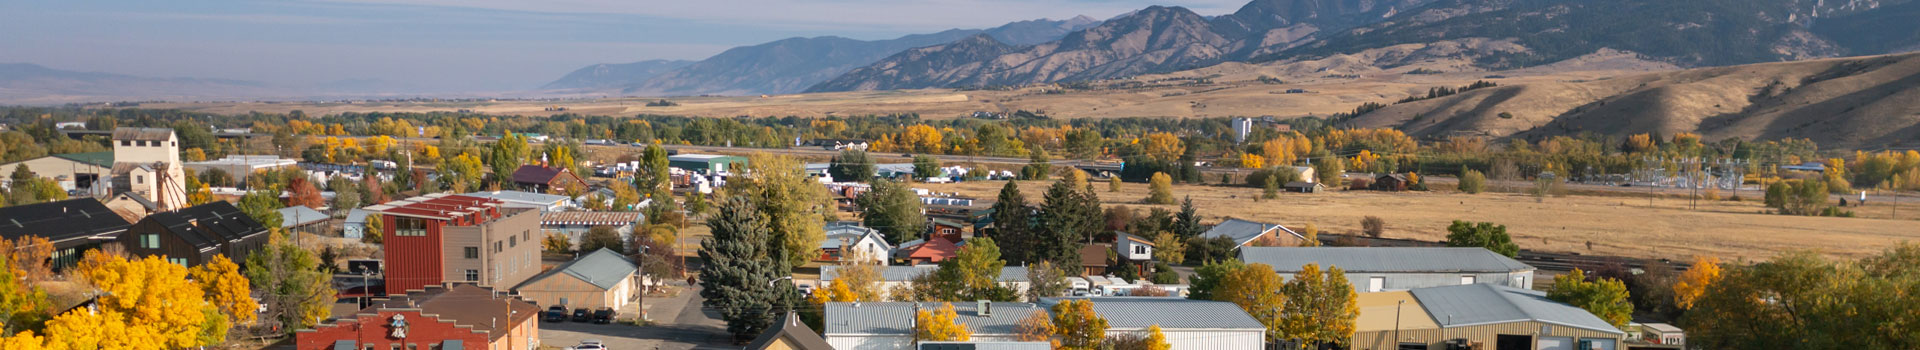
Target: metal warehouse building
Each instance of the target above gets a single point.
(1477, 316)
(1376, 269)
(706, 163)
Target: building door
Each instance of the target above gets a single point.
(1376, 283)
(1513, 342)
(1555, 343)
(1466, 279)
(1596, 344)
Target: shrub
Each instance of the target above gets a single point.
(1373, 226)
(1472, 181)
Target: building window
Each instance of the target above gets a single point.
(409, 227)
(137, 179)
(126, 143)
(513, 241)
(473, 275)
(497, 246)
(473, 252)
(178, 261)
(1466, 279)
(563, 301)
(150, 241)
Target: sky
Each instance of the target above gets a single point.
(466, 45)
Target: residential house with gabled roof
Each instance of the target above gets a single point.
(450, 317)
(193, 235)
(1134, 250)
(73, 226)
(545, 179)
(1244, 232)
(927, 251)
(847, 239)
(1374, 269)
(598, 279)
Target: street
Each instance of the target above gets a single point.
(679, 323)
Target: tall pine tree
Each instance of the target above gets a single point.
(1187, 223)
(1013, 225)
(1069, 215)
(740, 270)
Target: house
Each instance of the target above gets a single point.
(453, 317)
(74, 226)
(242, 166)
(1374, 269)
(1390, 182)
(1659, 333)
(575, 224)
(146, 161)
(927, 251)
(950, 230)
(356, 224)
(895, 276)
(789, 333)
(1094, 259)
(1480, 316)
(522, 199)
(73, 171)
(1188, 324)
(1134, 250)
(192, 236)
(300, 218)
(545, 179)
(131, 206)
(601, 279)
(1244, 232)
(441, 238)
(849, 239)
(706, 163)
(1304, 187)
(889, 325)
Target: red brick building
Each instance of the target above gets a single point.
(463, 317)
(440, 238)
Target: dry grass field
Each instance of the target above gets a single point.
(1616, 226)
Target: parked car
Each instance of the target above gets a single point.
(806, 289)
(582, 315)
(556, 314)
(585, 346)
(603, 315)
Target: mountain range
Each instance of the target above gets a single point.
(788, 65)
(31, 83)
(1691, 33)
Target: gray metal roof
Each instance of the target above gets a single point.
(897, 317)
(1478, 304)
(843, 233)
(1169, 313)
(985, 345)
(300, 215)
(1243, 232)
(602, 268)
(1384, 259)
(357, 216)
(906, 273)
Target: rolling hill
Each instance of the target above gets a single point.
(24, 83)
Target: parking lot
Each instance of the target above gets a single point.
(679, 323)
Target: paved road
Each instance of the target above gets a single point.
(679, 324)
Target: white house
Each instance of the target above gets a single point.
(847, 240)
(1374, 269)
(1133, 247)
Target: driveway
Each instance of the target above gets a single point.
(679, 323)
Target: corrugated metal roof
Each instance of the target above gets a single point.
(1169, 313)
(300, 215)
(897, 318)
(521, 196)
(100, 159)
(1383, 259)
(839, 233)
(148, 134)
(985, 345)
(1242, 231)
(1478, 304)
(906, 273)
(357, 216)
(602, 268)
(591, 218)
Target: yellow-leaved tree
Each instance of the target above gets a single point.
(1252, 289)
(143, 304)
(1078, 327)
(1693, 283)
(226, 288)
(1157, 340)
(1321, 306)
(1038, 327)
(939, 325)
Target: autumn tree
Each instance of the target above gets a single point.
(1044, 280)
(28, 256)
(298, 294)
(1693, 283)
(1160, 190)
(1320, 307)
(461, 173)
(1036, 327)
(939, 325)
(1472, 181)
(1208, 279)
(143, 304)
(599, 237)
(894, 209)
(1151, 339)
(23, 306)
(226, 288)
(1310, 236)
(197, 192)
(1253, 288)
(973, 274)
(1169, 248)
(1077, 326)
(1163, 147)
(794, 205)
(1604, 297)
(506, 155)
(851, 165)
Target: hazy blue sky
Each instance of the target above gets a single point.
(466, 45)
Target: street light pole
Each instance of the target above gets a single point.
(1396, 323)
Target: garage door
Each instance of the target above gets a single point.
(1597, 344)
(1555, 343)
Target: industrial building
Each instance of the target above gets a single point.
(1375, 269)
(1477, 316)
(708, 164)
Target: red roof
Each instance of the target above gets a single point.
(934, 250)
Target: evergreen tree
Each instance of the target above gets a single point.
(851, 165)
(1187, 223)
(1067, 220)
(1013, 225)
(738, 280)
(893, 209)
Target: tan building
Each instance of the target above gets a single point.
(440, 238)
(146, 161)
(1477, 316)
(601, 279)
(74, 171)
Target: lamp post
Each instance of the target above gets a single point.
(1396, 322)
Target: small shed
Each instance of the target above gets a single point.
(1304, 187)
(1390, 182)
(356, 225)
